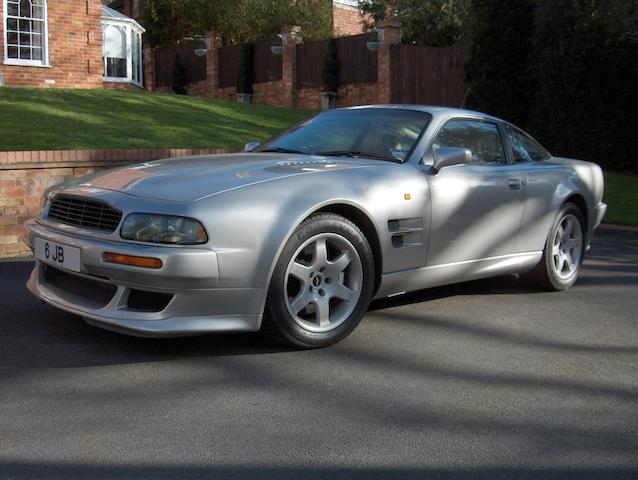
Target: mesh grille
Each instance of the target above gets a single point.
(83, 212)
(97, 293)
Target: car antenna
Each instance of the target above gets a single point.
(467, 93)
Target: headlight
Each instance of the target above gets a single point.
(147, 227)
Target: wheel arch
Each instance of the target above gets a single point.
(578, 200)
(365, 224)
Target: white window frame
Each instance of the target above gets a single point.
(45, 46)
(132, 32)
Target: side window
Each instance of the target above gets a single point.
(481, 138)
(525, 148)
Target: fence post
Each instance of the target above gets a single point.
(288, 65)
(213, 43)
(389, 34)
(149, 69)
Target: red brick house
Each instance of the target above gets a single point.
(346, 18)
(68, 43)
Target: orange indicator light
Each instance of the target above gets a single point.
(144, 262)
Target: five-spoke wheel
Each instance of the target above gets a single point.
(567, 246)
(322, 284)
(563, 252)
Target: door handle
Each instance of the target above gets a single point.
(514, 183)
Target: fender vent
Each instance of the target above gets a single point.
(406, 232)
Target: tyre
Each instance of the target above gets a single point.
(563, 252)
(322, 284)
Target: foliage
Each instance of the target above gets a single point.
(425, 22)
(621, 196)
(169, 21)
(245, 73)
(179, 77)
(330, 73)
(586, 72)
(496, 70)
(564, 69)
(236, 21)
(252, 20)
(101, 118)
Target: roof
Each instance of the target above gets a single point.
(433, 109)
(108, 12)
(115, 16)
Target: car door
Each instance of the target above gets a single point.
(476, 208)
(532, 161)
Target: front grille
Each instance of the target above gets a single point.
(84, 212)
(98, 294)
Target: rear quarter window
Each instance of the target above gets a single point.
(524, 147)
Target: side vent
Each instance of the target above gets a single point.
(406, 232)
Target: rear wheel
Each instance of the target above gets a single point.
(563, 252)
(322, 284)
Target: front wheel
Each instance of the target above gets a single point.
(563, 252)
(322, 284)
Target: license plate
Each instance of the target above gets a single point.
(56, 254)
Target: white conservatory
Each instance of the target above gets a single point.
(122, 48)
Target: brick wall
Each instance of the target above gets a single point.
(25, 175)
(121, 86)
(272, 93)
(347, 96)
(75, 48)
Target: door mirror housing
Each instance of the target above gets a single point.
(446, 157)
(250, 146)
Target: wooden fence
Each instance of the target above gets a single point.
(357, 64)
(427, 75)
(228, 65)
(165, 64)
(414, 73)
(266, 65)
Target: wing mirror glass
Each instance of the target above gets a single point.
(250, 146)
(446, 157)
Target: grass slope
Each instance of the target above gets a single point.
(51, 119)
(621, 197)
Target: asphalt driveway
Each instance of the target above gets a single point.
(483, 380)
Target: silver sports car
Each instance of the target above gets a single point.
(296, 236)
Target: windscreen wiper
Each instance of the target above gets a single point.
(281, 150)
(356, 154)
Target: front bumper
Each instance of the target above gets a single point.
(189, 275)
(600, 211)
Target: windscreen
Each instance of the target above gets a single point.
(383, 133)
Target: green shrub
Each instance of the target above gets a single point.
(586, 76)
(566, 70)
(245, 73)
(330, 73)
(496, 71)
(179, 77)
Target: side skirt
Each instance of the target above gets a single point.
(404, 281)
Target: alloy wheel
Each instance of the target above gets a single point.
(323, 282)
(567, 246)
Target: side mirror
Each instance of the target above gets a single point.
(250, 146)
(446, 157)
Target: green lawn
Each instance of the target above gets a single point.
(621, 197)
(51, 119)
